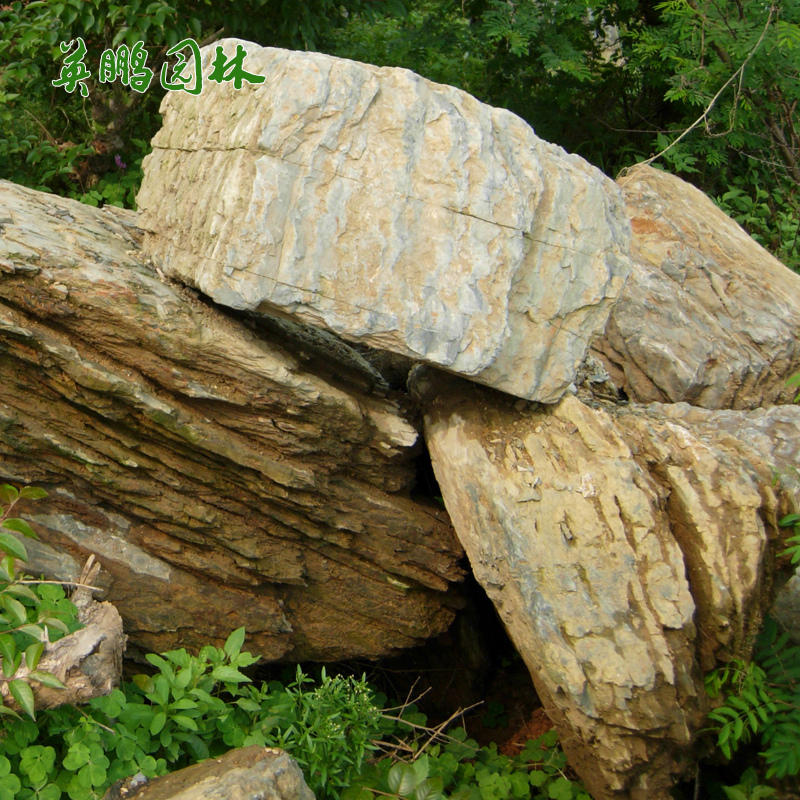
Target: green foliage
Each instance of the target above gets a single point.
(32, 613)
(733, 69)
(457, 768)
(192, 708)
(792, 520)
(196, 707)
(762, 698)
(748, 788)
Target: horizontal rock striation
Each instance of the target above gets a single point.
(221, 482)
(395, 212)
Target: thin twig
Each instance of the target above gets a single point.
(41, 125)
(99, 724)
(704, 116)
(437, 732)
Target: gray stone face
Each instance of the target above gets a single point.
(708, 316)
(395, 212)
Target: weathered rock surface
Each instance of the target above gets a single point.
(708, 316)
(221, 481)
(393, 211)
(245, 774)
(625, 551)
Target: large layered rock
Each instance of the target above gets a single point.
(624, 550)
(222, 479)
(708, 316)
(396, 212)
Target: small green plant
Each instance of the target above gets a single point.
(192, 708)
(459, 769)
(495, 716)
(748, 788)
(762, 698)
(32, 613)
(793, 550)
(196, 707)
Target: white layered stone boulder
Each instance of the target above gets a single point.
(396, 212)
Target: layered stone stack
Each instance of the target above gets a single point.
(221, 427)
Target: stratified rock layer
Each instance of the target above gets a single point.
(396, 212)
(220, 481)
(624, 550)
(708, 316)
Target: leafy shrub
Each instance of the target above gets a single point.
(32, 613)
(762, 698)
(457, 768)
(196, 707)
(192, 708)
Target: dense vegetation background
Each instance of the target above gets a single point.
(616, 81)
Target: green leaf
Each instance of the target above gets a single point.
(33, 654)
(13, 546)
(49, 792)
(20, 590)
(429, 789)
(32, 492)
(246, 704)
(23, 694)
(560, 789)
(46, 679)
(357, 793)
(229, 675)
(144, 682)
(233, 644)
(185, 722)
(8, 649)
(402, 780)
(34, 631)
(538, 778)
(183, 678)
(14, 608)
(8, 494)
(20, 526)
(159, 721)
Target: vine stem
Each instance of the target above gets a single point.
(704, 116)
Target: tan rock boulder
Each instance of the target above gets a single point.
(624, 550)
(225, 475)
(395, 212)
(708, 316)
(248, 773)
